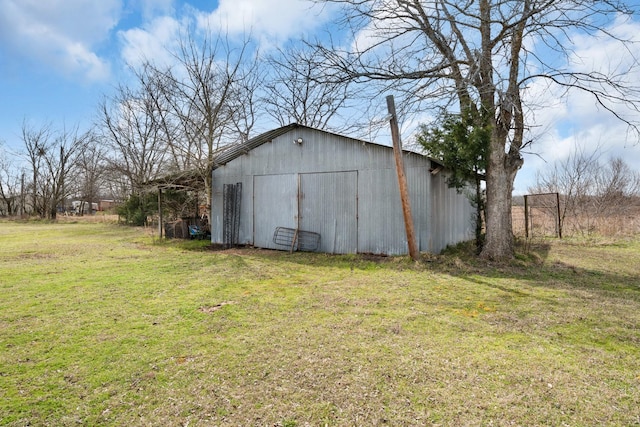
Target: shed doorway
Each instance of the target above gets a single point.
(323, 203)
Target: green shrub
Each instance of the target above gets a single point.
(138, 207)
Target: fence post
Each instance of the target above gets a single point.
(526, 218)
(559, 222)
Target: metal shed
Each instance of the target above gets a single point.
(342, 189)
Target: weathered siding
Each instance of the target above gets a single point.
(344, 189)
(418, 181)
(381, 225)
(451, 214)
(275, 205)
(329, 206)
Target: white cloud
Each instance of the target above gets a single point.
(154, 42)
(577, 119)
(153, 8)
(269, 22)
(60, 34)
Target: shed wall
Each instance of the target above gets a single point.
(451, 214)
(329, 206)
(348, 193)
(275, 205)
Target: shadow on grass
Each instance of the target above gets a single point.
(534, 266)
(531, 265)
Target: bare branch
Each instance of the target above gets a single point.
(481, 55)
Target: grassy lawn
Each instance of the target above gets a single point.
(102, 325)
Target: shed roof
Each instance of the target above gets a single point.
(186, 180)
(234, 151)
(190, 179)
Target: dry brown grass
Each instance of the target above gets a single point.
(97, 218)
(543, 224)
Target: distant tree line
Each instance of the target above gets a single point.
(476, 61)
(164, 121)
(593, 192)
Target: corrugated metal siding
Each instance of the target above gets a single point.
(439, 212)
(328, 206)
(246, 205)
(451, 214)
(275, 199)
(380, 221)
(418, 181)
(319, 152)
(379, 224)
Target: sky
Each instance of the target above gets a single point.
(58, 58)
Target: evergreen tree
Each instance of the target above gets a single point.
(461, 143)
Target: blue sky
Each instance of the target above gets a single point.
(58, 58)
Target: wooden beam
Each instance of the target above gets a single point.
(402, 180)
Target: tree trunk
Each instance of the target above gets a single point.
(480, 207)
(208, 192)
(499, 241)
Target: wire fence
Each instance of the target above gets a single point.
(543, 222)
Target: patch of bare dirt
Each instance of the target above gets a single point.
(211, 308)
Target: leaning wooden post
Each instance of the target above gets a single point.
(402, 180)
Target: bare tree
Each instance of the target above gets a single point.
(52, 157)
(37, 143)
(10, 184)
(209, 94)
(573, 179)
(616, 186)
(128, 124)
(116, 185)
(477, 54)
(590, 191)
(90, 171)
(296, 92)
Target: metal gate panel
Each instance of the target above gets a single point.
(231, 202)
(275, 204)
(329, 206)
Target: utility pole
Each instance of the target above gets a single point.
(402, 180)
